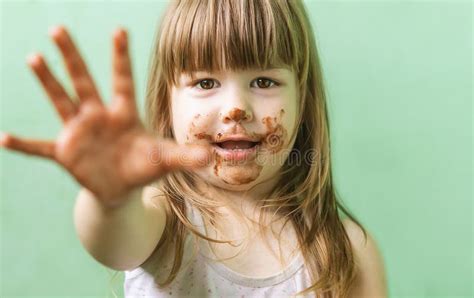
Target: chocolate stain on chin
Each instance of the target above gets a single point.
(244, 176)
(237, 175)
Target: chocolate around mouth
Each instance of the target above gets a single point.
(236, 144)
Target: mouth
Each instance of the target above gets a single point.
(237, 148)
(237, 144)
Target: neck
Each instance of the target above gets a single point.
(240, 221)
(242, 205)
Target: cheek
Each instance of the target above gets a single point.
(198, 129)
(178, 113)
(191, 119)
(276, 133)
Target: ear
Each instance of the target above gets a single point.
(370, 279)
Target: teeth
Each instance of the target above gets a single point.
(236, 148)
(237, 145)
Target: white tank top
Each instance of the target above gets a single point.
(201, 276)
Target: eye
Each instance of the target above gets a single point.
(205, 84)
(208, 84)
(265, 83)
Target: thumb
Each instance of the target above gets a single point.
(186, 156)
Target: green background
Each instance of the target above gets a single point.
(399, 82)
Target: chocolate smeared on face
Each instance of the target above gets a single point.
(276, 134)
(203, 135)
(217, 163)
(244, 171)
(237, 114)
(236, 174)
(272, 141)
(196, 131)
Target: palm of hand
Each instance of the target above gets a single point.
(107, 150)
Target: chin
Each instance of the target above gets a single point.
(234, 178)
(230, 178)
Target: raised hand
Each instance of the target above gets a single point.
(107, 150)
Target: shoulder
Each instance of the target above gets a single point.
(154, 196)
(370, 279)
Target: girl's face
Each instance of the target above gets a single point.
(248, 116)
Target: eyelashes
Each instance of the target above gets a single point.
(208, 83)
(199, 85)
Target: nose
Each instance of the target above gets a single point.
(237, 107)
(237, 115)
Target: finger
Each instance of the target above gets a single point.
(123, 86)
(153, 157)
(81, 79)
(58, 96)
(177, 157)
(28, 146)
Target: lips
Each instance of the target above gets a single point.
(236, 141)
(236, 147)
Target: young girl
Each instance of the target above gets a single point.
(227, 190)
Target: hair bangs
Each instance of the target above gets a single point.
(220, 35)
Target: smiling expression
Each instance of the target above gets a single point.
(254, 109)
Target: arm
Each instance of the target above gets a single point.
(371, 281)
(122, 237)
(108, 151)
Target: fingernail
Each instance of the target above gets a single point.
(121, 37)
(33, 59)
(3, 138)
(55, 31)
(122, 31)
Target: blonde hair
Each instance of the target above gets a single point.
(219, 35)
